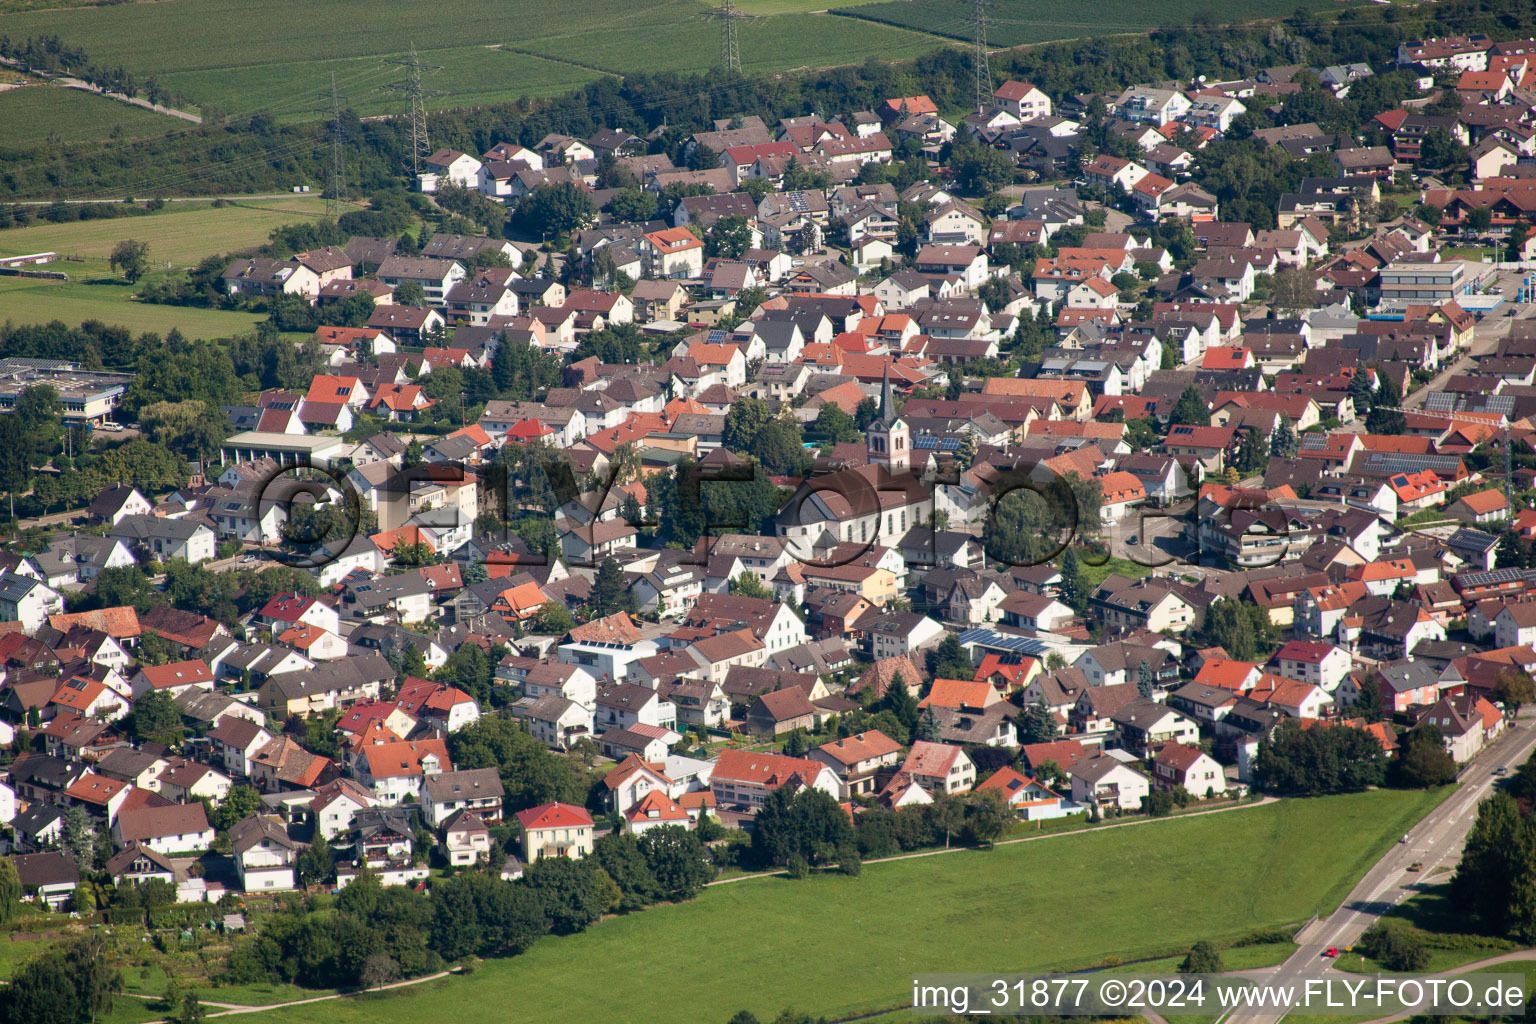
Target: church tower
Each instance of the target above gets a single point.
(888, 439)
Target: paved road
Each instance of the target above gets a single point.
(1486, 336)
(1435, 841)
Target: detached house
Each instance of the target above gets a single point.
(856, 760)
(264, 854)
(1179, 764)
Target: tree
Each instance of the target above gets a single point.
(744, 421)
(1073, 589)
(677, 859)
(239, 804)
(834, 425)
(531, 773)
(1190, 409)
(1239, 627)
(608, 588)
(898, 700)
(1422, 760)
(1283, 443)
(807, 824)
(568, 892)
(71, 984)
(728, 237)
(1326, 759)
(10, 892)
(1037, 724)
(928, 727)
(1513, 688)
(554, 211)
(315, 863)
(156, 717)
(988, 817)
(950, 660)
(78, 837)
(1145, 683)
(552, 619)
(1202, 958)
(946, 814)
(749, 584)
(619, 854)
(131, 258)
(1368, 704)
(410, 293)
(1293, 291)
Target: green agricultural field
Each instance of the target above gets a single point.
(301, 90)
(35, 114)
(180, 233)
(217, 52)
(31, 301)
(1017, 22)
(767, 44)
(836, 946)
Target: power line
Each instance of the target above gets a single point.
(421, 143)
(981, 70)
(336, 194)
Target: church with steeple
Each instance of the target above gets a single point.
(888, 439)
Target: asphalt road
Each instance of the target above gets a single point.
(1435, 841)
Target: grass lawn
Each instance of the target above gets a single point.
(1093, 575)
(835, 945)
(26, 300)
(34, 114)
(180, 233)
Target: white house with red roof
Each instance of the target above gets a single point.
(98, 794)
(628, 783)
(654, 810)
(447, 707)
(286, 610)
(336, 803)
(940, 767)
(1320, 664)
(744, 778)
(1022, 100)
(314, 643)
(451, 166)
(856, 759)
(1179, 764)
(175, 678)
(396, 770)
(673, 252)
(556, 830)
(1032, 801)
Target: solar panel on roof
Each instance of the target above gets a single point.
(1004, 642)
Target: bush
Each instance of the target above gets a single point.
(799, 867)
(1396, 946)
(1262, 937)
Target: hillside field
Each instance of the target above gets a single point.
(836, 946)
(32, 115)
(1018, 22)
(217, 52)
(180, 233)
